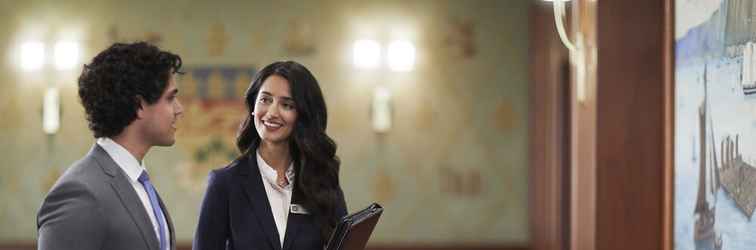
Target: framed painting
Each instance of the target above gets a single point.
(714, 124)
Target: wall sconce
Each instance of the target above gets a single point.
(559, 14)
(32, 58)
(381, 110)
(51, 111)
(400, 57)
(577, 53)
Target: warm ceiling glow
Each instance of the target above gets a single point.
(32, 56)
(401, 56)
(367, 54)
(66, 55)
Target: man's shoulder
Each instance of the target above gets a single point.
(84, 168)
(74, 207)
(84, 173)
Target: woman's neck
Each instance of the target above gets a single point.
(276, 155)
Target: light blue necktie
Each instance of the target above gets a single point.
(145, 180)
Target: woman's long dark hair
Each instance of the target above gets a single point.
(313, 151)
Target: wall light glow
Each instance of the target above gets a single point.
(32, 56)
(401, 56)
(66, 55)
(367, 54)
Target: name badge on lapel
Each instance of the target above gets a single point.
(298, 209)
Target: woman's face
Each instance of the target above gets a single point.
(275, 112)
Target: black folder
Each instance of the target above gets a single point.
(354, 230)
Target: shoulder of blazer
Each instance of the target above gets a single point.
(238, 167)
(88, 171)
(104, 160)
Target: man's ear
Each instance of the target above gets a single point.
(140, 109)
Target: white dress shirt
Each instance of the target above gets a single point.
(279, 197)
(124, 159)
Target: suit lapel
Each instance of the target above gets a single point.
(258, 198)
(293, 224)
(129, 199)
(134, 206)
(168, 221)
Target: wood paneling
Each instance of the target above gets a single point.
(632, 123)
(583, 131)
(669, 125)
(549, 132)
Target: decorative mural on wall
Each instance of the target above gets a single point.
(715, 125)
(217, 39)
(114, 35)
(213, 100)
(300, 38)
(460, 38)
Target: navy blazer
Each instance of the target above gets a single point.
(236, 214)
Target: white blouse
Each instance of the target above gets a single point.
(279, 197)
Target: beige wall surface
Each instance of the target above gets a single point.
(453, 168)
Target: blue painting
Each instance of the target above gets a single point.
(715, 124)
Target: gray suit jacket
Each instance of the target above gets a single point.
(94, 206)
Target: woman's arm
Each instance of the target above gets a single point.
(341, 208)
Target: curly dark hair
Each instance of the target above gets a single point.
(313, 151)
(111, 86)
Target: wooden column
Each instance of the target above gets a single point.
(633, 132)
(549, 132)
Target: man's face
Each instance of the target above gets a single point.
(159, 118)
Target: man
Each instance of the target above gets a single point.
(106, 199)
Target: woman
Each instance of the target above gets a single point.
(283, 191)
